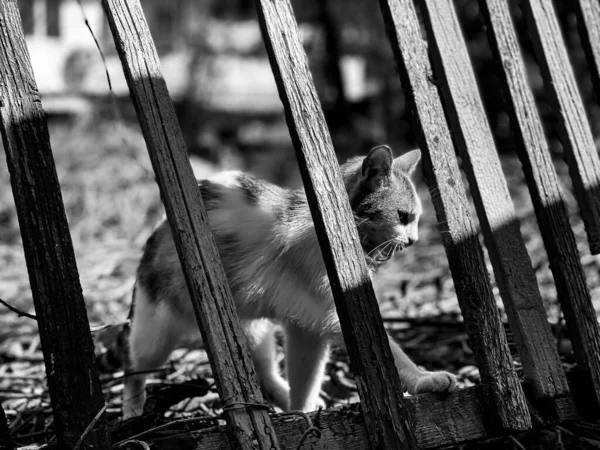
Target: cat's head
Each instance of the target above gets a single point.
(384, 201)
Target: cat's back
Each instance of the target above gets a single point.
(244, 213)
(241, 204)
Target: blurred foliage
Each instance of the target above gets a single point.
(356, 28)
(362, 32)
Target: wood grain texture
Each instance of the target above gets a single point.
(63, 324)
(574, 130)
(6, 443)
(439, 421)
(512, 266)
(379, 386)
(588, 21)
(459, 234)
(249, 427)
(548, 200)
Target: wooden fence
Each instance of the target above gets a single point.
(440, 87)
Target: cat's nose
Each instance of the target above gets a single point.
(412, 240)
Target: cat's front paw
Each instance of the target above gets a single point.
(433, 382)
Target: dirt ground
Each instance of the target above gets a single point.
(112, 204)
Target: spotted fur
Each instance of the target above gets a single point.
(269, 249)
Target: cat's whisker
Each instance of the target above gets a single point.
(379, 246)
(394, 249)
(360, 222)
(385, 251)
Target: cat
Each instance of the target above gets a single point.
(271, 256)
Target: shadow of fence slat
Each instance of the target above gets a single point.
(573, 126)
(548, 200)
(250, 425)
(379, 386)
(63, 324)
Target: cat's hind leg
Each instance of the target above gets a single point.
(155, 333)
(261, 341)
(306, 355)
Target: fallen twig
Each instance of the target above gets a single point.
(163, 426)
(18, 311)
(98, 328)
(90, 426)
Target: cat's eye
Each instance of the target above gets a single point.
(403, 216)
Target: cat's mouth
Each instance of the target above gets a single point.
(379, 256)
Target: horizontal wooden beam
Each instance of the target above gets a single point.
(465, 415)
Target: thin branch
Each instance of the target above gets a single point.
(516, 442)
(98, 328)
(87, 24)
(18, 311)
(90, 426)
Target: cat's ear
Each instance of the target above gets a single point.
(408, 162)
(378, 162)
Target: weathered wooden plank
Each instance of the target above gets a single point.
(512, 266)
(6, 443)
(63, 324)
(588, 21)
(458, 231)
(249, 426)
(378, 382)
(548, 200)
(573, 127)
(439, 421)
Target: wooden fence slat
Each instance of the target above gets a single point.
(573, 127)
(439, 421)
(63, 324)
(546, 195)
(459, 234)
(379, 386)
(250, 427)
(512, 266)
(588, 21)
(6, 442)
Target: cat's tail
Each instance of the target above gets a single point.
(116, 355)
(116, 342)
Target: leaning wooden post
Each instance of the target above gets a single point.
(459, 234)
(226, 344)
(574, 129)
(63, 324)
(546, 195)
(388, 423)
(512, 266)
